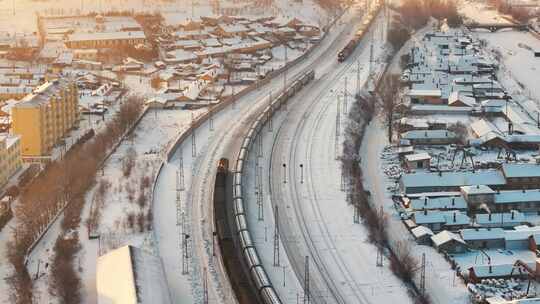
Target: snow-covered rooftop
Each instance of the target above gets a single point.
(129, 275)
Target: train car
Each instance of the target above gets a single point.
(347, 50)
(224, 224)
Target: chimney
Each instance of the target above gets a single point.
(425, 201)
(425, 211)
(454, 217)
(490, 216)
(453, 201)
(477, 186)
(512, 213)
(490, 269)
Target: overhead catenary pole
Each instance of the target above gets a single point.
(306, 281)
(345, 93)
(270, 128)
(260, 196)
(358, 77)
(276, 236)
(193, 142)
(423, 275)
(338, 127)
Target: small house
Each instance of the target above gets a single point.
(422, 235)
(433, 220)
(449, 242)
(484, 237)
(504, 271)
(503, 220)
(430, 137)
(476, 195)
(417, 161)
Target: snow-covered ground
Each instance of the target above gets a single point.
(199, 172)
(315, 219)
(519, 68)
(479, 11)
(441, 284)
(149, 141)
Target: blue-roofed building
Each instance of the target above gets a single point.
(430, 137)
(449, 181)
(522, 176)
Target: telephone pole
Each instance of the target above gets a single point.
(423, 275)
(345, 93)
(338, 127)
(306, 281)
(276, 236)
(193, 143)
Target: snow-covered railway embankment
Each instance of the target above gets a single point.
(257, 273)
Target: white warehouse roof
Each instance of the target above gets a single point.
(129, 275)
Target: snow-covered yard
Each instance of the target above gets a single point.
(122, 212)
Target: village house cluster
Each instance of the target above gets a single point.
(467, 167)
(76, 65)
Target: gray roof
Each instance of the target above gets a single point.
(448, 202)
(444, 237)
(482, 234)
(512, 217)
(78, 37)
(517, 196)
(521, 170)
(431, 134)
(452, 179)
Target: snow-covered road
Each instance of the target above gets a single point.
(199, 172)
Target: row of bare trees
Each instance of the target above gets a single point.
(402, 262)
(415, 14)
(520, 14)
(62, 182)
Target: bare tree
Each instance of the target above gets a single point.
(388, 98)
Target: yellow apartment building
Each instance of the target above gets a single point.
(10, 156)
(45, 116)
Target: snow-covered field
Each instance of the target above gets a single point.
(480, 12)
(519, 68)
(149, 140)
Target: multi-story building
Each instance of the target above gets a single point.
(10, 156)
(43, 117)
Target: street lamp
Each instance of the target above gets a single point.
(284, 173)
(301, 173)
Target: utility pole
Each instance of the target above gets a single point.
(285, 71)
(343, 179)
(181, 172)
(380, 256)
(211, 119)
(193, 143)
(205, 286)
(423, 275)
(185, 265)
(276, 236)
(356, 216)
(284, 173)
(345, 93)
(178, 200)
(358, 77)
(260, 196)
(269, 112)
(338, 127)
(306, 281)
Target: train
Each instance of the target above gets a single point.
(264, 289)
(360, 33)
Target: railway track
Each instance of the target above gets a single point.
(335, 291)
